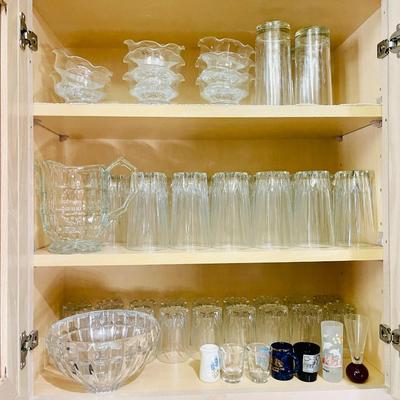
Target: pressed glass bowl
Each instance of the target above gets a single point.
(223, 75)
(132, 45)
(225, 45)
(73, 93)
(225, 59)
(162, 57)
(222, 93)
(145, 72)
(102, 349)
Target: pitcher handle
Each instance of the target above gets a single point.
(121, 162)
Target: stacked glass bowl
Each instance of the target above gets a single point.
(153, 75)
(77, 80)
(224, 70)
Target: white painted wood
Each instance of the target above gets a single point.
(392, 97)
(16, 202)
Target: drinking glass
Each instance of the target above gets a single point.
(148, 306)
(313, 82)
(239, 324)
(110, 304)
(260, 300)
(332, 350)
(272, 209)
(335, 311)
(232, 362)
(190, 210)
(72, 308)
(353, 206)
(174, 339)
(148, 212)
(313, 221)
(322, 299)
(272, 323)
(259, 359)
(273, 64)
(230, 209)
(234, 300)
(119, 189)
(356, 330)
(206, 327)
(306, 319)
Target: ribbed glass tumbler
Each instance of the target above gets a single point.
(147, 218)
(230, 209)
(354, 211)
(273, 64)
(306, 320)
(190, 227)
(313, 219)
(272, 324)
(240, 324)
(272, 209)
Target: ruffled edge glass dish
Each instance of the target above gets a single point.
(223, 75)
(165, 75)
(224, 60)
(132, 45)
(148, 56)
(212, 44)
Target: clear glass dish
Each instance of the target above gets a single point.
(162, 57)
(132, 45)
(102, 349)
(73, 93)
(153, 91)
(79, 71)
(211, 44)
(215, 75)
(226, 60)
(151, 72)
(222, 93)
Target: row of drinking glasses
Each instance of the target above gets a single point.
(185, 328)
(271, 209)
(284, 360)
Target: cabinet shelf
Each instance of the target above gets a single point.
(174, 379)
(121, 256)
(202, 121)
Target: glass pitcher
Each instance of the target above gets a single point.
(75, 206)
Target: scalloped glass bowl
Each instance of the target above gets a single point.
(76, 78)
(153, 75)
(224, 66)
(103, 349)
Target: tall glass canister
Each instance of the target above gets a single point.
(313, 82)
(273, 64)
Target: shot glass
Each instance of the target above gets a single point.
(232, 362)
(190, 211)
(332, 350)
(272, 209)
(259, 359)
(230, 210)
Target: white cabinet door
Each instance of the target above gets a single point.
(391, 101)
(15, 199)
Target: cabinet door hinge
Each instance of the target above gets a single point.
(390, 45)
(388, 336)
(27, 37)
(28, 343)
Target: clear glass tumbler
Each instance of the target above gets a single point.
(313, 82)
(313, 219)
(272, 214)
(230, 209)
(232, 362)
(272, 323)
(148, 212)
(273, 64)
(259, 361)
(353, 206)
(305, 321)
(118, 191)
(190, 211)
(240, 324)
(332, 350)
(174, 339)
(206, 327)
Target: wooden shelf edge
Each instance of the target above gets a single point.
(121, 256)
(175, 380)
(206, 111)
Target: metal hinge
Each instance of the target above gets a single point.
(388, 336)
(26, 37)
(28, 343)
(390, 45)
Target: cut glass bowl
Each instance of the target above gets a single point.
(162, 57)
(74, 93)
(145, 72)
(226, 60)
(229, 76)
(102, 349)
(222, 93)
(211, 44)
(153, 93)
(132, 45)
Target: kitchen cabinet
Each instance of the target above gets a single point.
(361, 131)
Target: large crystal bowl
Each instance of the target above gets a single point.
(103, 349)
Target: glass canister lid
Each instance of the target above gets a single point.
(314, 30)
(269, 25)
